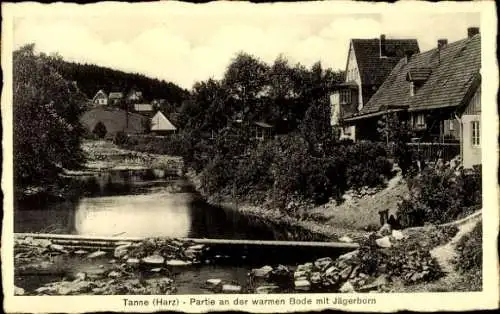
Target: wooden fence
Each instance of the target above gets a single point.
(432, 151)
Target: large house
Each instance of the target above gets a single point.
(369, 62)
(438, 92)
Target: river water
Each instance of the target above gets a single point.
(150, 203)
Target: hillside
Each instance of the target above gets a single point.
(91, 78)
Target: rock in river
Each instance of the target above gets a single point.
(262, 272)
(213, 282)
(133, 261)
(96, 254)
(228, 288)
(154, 259)
(266, 289)
(384, 242)
(347, 287)
(177, 262)
(302, 284)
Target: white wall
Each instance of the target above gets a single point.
(471, 154)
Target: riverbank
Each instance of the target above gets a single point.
(353, 219)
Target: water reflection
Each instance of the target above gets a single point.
(145, 203)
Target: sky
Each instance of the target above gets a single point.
(199, 41)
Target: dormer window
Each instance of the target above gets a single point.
(345, 96)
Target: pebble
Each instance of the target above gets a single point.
(96, 254)
(213, 282)
(114, 274)
(266, 289)
(176, 262)
(384, 242)
(347, 287)
(302, 284)
(262, 272)
(231, 288)
(133, 261)
(80, 276)
(154, 259)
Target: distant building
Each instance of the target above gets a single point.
(144, 109)
(369, 62)
(134, 96)
(262, 131)
(115, 97)
(161, 125)
(100, 98)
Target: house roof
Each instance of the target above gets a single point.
(160, 123)
(99, 93)
(114, 120)
(263, 124)
(143, 107)
(115, 95)
(373, 69)
(455, 71)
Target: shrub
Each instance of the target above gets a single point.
(367, 164)
(470, 251)
(120, 138)
(440, 197)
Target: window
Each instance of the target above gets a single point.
(345, 96)
(419, 120)
(412, 89)
(475, 133)
(452, 127)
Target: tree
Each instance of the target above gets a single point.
(46, 110)
(100, 130)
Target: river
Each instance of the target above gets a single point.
(151, 203)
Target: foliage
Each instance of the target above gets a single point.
(92, 78)
(397, 132)
(470, 251)
(120, 138)
(440, 197)
(46, 108)
(100, 130)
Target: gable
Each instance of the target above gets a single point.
(160, 123)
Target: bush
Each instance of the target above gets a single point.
(440, 197)
(470, 251)
(367, 164)
(120, 138)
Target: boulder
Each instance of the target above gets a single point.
(133, 261)
(155, 270)
(262, 272)
(81, 276)
(346, 239)
(177, 262)
(41, 242)
(385, 230)
(315, 278)
(305, 267)
(266, 289)
(384, 242)
(80, 252)
(346, 272)
(121, 251)
(378, 282)
(213, 282)
(96, 254)
(331, 270)
(348, 256)
(229, 288)
(299, 273)
(197, 247)
(57, 248)
(114, 274)
(323, 262)
(302, 284)
(154, 260)
(347, 287)
(398, 235)
(18, 291)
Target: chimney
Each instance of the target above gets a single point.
(442, 43)
(382, 46)
(471, 31)
(408, 54)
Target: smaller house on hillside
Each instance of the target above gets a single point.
(144, 109)
(134, 96)
(161, 125)
(100, 98)
(115, 98)
(262, 131)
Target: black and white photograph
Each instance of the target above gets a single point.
(246, 149)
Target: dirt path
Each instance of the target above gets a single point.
(444, 254)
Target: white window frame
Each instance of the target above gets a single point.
(475, 133)
(419, 120)
(345, 96)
